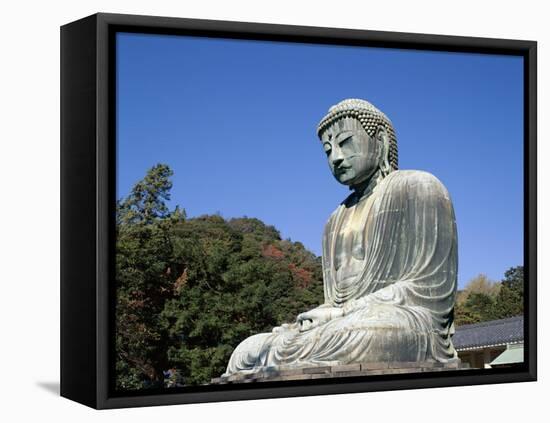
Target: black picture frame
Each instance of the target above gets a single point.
(88, 160)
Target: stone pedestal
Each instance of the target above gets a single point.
(270, 374)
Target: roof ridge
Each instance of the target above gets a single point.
(490, 322)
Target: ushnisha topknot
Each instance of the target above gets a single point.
(369, 117)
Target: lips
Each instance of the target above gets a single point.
(342, 169)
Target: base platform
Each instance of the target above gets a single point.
(270, 374)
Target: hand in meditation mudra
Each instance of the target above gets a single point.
(389, 260)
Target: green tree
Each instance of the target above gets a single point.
(146, 202)
(478, 307)
(509, 301)
(145, 267)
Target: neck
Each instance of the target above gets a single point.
(364, 188)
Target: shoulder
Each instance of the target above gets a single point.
(414, 182)
(412, 177)
(332, 216)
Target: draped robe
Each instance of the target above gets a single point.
(390, 262)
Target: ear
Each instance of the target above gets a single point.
(382, 134)
(383, 140)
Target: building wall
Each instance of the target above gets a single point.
(481, 357)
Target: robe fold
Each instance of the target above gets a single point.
(390, 263)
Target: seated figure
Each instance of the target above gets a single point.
(389, 260)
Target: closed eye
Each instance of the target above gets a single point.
(345, 141)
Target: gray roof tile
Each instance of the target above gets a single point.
(494, 332)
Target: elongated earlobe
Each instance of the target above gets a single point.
(383, 141)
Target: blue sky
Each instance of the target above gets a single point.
(236, 121)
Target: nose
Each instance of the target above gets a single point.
(337, 157)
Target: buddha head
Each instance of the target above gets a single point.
(359, 141)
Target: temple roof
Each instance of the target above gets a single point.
(491, 333)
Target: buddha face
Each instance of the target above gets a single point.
(353, 155)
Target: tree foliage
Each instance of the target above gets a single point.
(190, 290)
(483, 300)
(509, 301)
